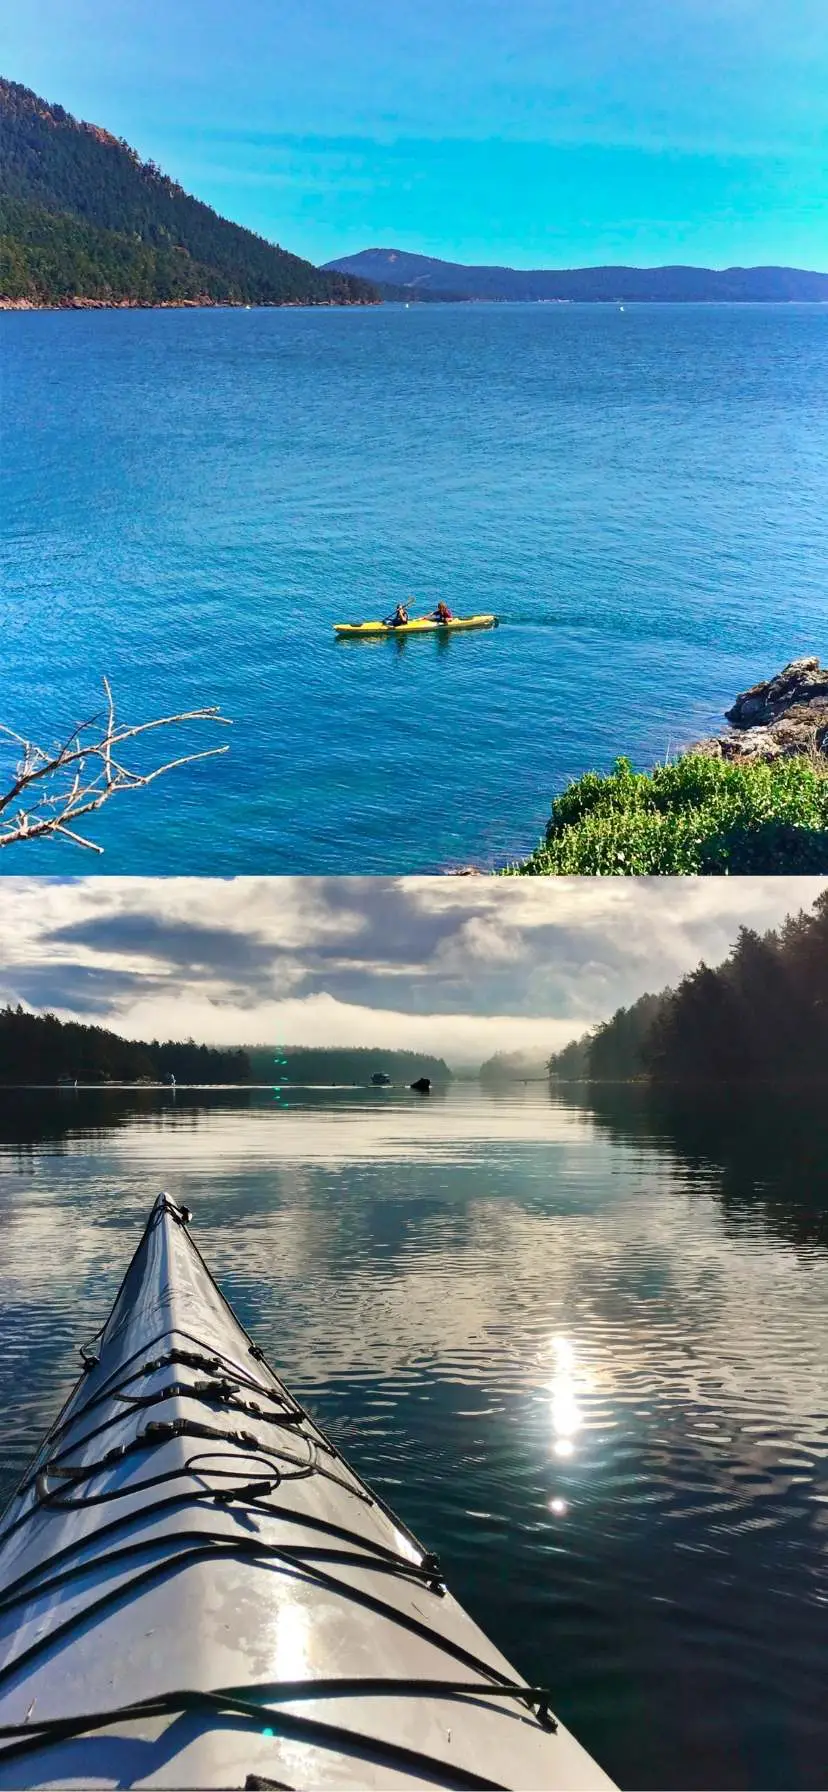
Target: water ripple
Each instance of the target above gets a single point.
(604, 1403)
(647, 516)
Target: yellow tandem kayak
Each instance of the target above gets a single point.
(424, 627)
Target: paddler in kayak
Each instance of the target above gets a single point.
(441, 614)
(399, 618)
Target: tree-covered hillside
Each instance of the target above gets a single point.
(425, 276)
(761, 1016)
(39, 1048)
(341, 1064)
(512, 1067)
(81, 216)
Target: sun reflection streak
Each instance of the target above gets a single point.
(565, 1412)
(291, 1640)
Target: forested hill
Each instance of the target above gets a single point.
(512, 1067)
(82, 217)
(39, 1048)
(424, 276)
(342, 1064)
(761, 1016)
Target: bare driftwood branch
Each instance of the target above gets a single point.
(54, 786)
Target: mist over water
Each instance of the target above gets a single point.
(581, 1347)
(192, 499)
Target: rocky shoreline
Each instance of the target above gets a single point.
(782, 717)
(74, 303)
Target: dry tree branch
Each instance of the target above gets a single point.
(53, 787)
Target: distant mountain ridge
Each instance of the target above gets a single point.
(423, 276)
(84, 220)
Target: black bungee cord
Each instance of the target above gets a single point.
(228, 1386)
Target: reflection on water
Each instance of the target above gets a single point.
(582, 1348)
(566, 1414)
(767, 1151)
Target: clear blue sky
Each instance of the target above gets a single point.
(530, 132)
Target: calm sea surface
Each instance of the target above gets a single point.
(582, 1350)
(192, 499)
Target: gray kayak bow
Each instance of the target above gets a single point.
(196, 1590)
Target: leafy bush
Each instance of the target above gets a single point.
(698, 815)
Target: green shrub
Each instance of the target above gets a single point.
(698, 815)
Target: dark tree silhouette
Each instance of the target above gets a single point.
(762, 1015)
(39, 1048)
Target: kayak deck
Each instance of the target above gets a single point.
(423, 626)
(197, 1590)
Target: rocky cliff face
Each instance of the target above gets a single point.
(787, 714)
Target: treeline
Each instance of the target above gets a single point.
(50, 257)
(83, 216)
(39, 1048)
(316, 1064)
(510, 1067)
(760, 1016)
(616, 1051)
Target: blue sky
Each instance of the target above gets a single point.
(529, 132)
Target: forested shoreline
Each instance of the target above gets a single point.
(84, 222)
(308, 1064)
(39, 1048)
(760, 1016)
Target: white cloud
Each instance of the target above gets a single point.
(458, 966)
(321, 1020)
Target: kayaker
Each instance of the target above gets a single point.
(441, 614)
(399, 618)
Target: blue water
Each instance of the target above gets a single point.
(582, 1353)
(191, 499)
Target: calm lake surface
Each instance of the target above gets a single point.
(582, 1349)
(192, 499)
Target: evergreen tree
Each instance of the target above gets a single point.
(82, 216)
(39, 1048)
(761, 1015)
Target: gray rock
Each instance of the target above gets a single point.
(783, 716)
(801, 682)
(753, 743)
